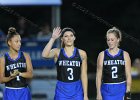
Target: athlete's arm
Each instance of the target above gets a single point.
(48, 52)
(84, 78)
(29, 73)
(99, 75)
(4, 79)
(128, 70)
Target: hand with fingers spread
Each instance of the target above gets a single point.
(14, 73)
(56, 33)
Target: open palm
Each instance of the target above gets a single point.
(56, 33)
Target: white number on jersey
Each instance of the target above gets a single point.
(114, 72)
(70, 77)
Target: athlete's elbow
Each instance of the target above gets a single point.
(31, 75)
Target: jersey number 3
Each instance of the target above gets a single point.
(114, 72)
(70, 77)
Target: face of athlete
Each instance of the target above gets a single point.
(15, 42)
(68, 38)
(112, 40)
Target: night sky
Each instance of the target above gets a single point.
(90, 30)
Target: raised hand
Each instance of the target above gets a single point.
(56, 33)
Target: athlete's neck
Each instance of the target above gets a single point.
(69, 50)
(13, 54)
(113, 51)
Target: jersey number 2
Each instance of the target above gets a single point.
(70, 77)
(114, 72)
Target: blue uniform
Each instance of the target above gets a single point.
(17, 88)
(69, 85)
(114, 79)
(69, 91)
(113, 91)
(17, 94)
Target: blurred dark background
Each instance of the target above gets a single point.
(124, 14)
(90, 31)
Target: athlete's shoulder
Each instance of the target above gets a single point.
(101, 53)
(82, 53)
(26, 54)
(126, 54)
(100, 56)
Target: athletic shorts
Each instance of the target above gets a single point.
(16, 93)
(113, 91)
(69, 91)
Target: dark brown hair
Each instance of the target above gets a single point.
(65, 30)
(11, 33)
